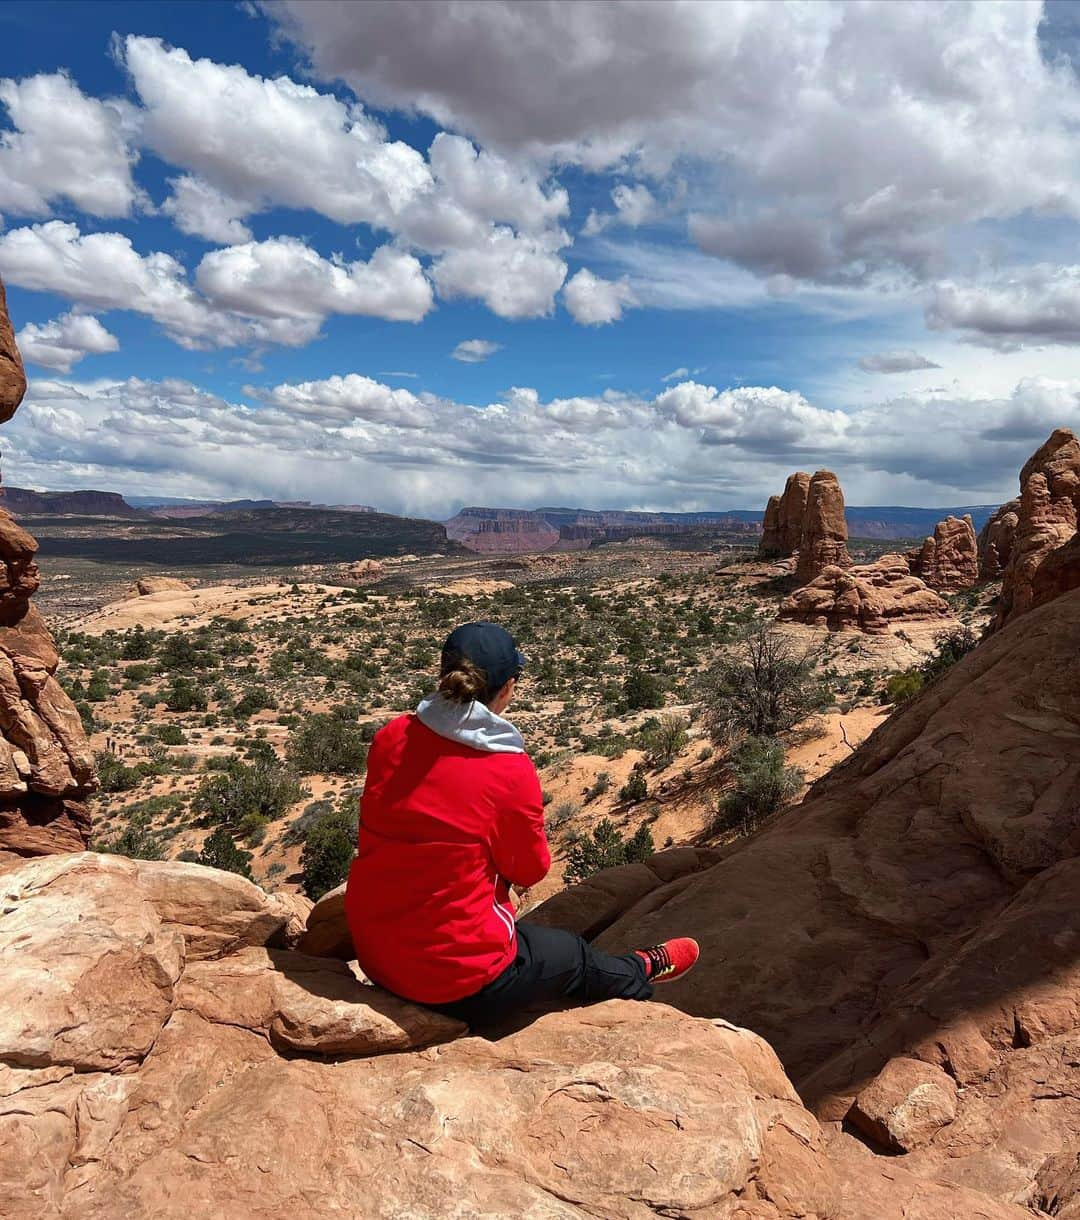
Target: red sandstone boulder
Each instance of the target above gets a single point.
(949, 561)
(823, 543)
(905, 1105)
(870, 597)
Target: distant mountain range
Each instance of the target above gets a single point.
(177, 509)
(510, 530)
(485, 530)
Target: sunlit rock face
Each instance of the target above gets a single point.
(46, 767)
(823, 543)
(1044, 556)
(784, 514)
(949, 560)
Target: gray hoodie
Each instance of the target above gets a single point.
(471, 724)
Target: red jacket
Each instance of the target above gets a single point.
(445, 829)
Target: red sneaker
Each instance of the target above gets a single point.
(671, 960)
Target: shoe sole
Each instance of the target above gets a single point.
(660, 982)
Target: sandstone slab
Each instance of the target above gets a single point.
(905, 1105)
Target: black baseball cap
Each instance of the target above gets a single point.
(490, 647)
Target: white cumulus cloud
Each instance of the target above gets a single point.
(594, 301)
(65, 146)
(473, 351)
(64, 341)
(284, 278)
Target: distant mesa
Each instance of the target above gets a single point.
(22, 502)
(509, 531)
(501, 531)
(173, 509)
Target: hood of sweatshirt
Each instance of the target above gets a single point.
(471, 724)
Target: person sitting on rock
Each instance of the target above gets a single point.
(452, 816)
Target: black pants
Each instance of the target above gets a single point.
(552, 965)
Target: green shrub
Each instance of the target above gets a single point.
(328, 851)
(642, 690)
(136, 840)
(169, 734)
(138, 646)
(635, 788)
(255, 700)
(663, 742)
(606, 848)
(97, 689)
(763, 688)
(220, 851)
(185, 696)
(325, 744)
(600, 785)
(563, 812)
(763, 783)
(264, 787)
(113, 775)
(900, 687)
(952, 645)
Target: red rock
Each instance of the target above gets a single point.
(949, 561)
(823, 542)
(785, 516)
(996, 538)
(920, 902)
(12, 373)
(1046, 526)
(905, 1105)
(42, 810)
(870, 598)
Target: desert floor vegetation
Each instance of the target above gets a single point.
(658, 702)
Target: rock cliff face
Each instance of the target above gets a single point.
(1041, 562)
(12, 374)
(21, 502)
(823, 542)
(996, 538)
(949, 561)
(871, 598)
(785, 514)
(46, 767)
(921, 905)
(164, 1054)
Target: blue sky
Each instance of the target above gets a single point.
(617, 255)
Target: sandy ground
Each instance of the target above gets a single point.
(191, 608)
